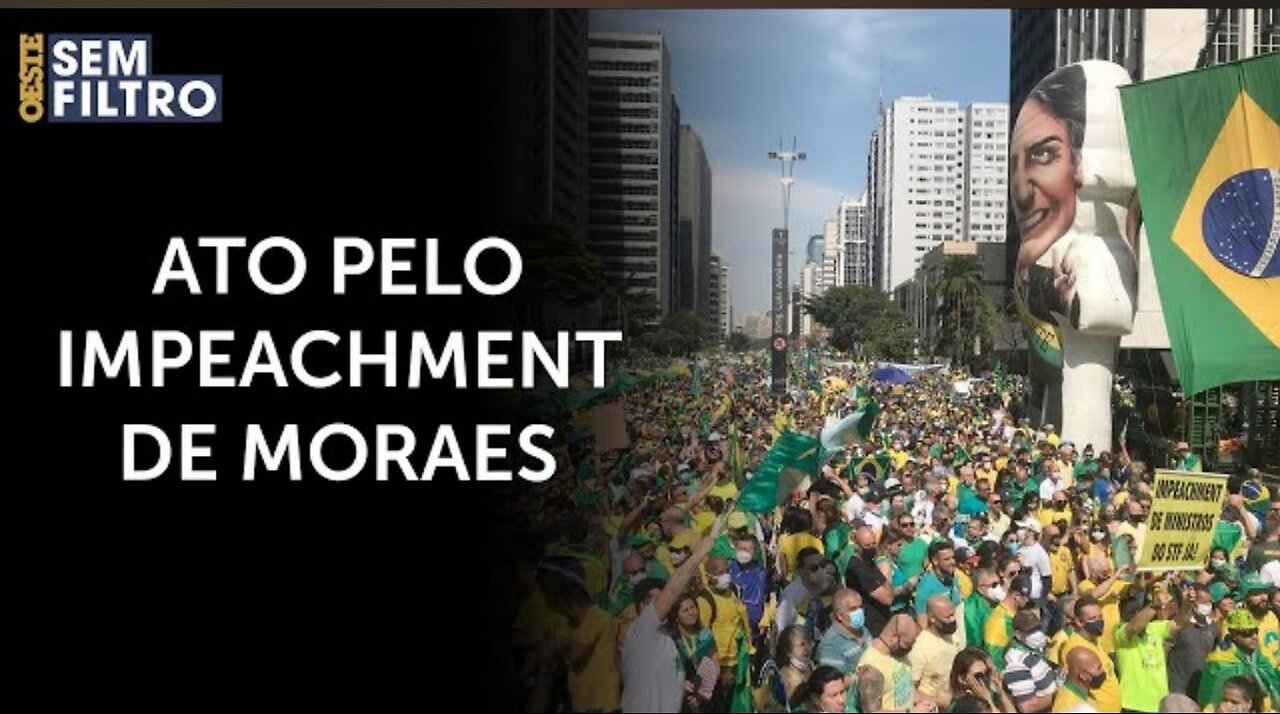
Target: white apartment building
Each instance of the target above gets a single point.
(856, 254)
(986, 165)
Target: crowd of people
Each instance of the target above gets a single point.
(956, 559)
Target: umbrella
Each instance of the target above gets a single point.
(892, 375)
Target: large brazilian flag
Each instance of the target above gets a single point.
(1206, 154)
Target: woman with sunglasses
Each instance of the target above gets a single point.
(973, 675)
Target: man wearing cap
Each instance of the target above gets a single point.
(997, 633)
(1257, 597)
(1184, 460)
(1238, 655)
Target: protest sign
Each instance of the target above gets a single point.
(1184, 510)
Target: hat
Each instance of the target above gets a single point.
(1252, 584)
(1021, 585)
(1217, 592)
(1241, 619)
(891, 483)
(682, 540)
(737, 519)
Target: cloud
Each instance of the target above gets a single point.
(746, 207)
(857, 40)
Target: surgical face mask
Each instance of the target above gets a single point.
(996, 593)
(721, 581)
(1013, 547)
(801, 664)
(744, 557)
(678, 558)
(1204, 609)
(1217, 563)
(858, 619)
(1099, 535)
(1037, 640)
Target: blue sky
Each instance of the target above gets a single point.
(745, 77)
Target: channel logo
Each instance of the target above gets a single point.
(89, 78)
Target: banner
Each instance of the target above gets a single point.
(1184, 511)
(792, 458)
(609, 427)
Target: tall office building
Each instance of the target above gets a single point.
(694, 242)
(1149, 43)
(545, 55)
(726, 301)
(852, 230)
(986, 167)
(714, 298)
(633, 152)
(918, 183)
(832, 271)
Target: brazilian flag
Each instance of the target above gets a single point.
(877, 465)
(792, 458)
(1206, 154)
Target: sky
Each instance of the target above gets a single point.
(745, 78)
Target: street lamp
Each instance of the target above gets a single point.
(779, 279)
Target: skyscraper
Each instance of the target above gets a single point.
(917, 181)
(832, 273)
(852, 229)
(986, 166)
(633, 152)
(714, 290)
(726, 301)
(695, 226)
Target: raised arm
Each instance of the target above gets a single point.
(666, 599)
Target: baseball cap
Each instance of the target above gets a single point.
(1021, 585)
(1252, 584)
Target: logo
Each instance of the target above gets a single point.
(1241, 223)
(779, 343)
(87, 78)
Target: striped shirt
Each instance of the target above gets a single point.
(1027, 674)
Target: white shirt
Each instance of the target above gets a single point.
(1035, 559)
(1270, 573)
(1048, 487)
(922, 511)
(651, 679)
(793, 601)
(854, 507)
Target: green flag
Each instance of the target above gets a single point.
(1206, 155)
(792, 458)
(855, 428)
(735, 458)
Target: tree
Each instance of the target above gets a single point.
(967, 314)
(864, 321)
(738, 342)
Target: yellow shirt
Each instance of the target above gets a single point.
(1066, 699)
(1000, 463)
(595, 684)
(899, 458)
(1110, 604)
(988, 476)
(1107, 697)
(703, 520)
(1048, 516)
(1054, 439)
(790, 545)
(964, 582)
(725, 490)
(995, 632)
(931, 659)
(731, 615)
(1060, 565)
(535, 619)
(1053, 651)
(897, 679)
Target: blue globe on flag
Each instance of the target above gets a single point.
(1241, 223)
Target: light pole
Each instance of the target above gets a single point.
(786, 161)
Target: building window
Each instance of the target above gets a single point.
(1266, 30)
(1225, 43)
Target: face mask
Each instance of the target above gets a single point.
(947, 629)
(744, 557)
(996, 593)
(1217, 563)
(1204, 610)
(899, 652)
(1037, 640)
(1093, 627)
(858, 619)
(678, 558)
(1096, 681)
(801, 664)
(869, 553)
(1099, 535)
(1013, 547)
(722, 582)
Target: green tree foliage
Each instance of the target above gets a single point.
(738, 342)
(864, 321)
(967, 311)
(680, 333)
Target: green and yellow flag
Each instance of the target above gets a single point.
(1206, 154)
(792, 458)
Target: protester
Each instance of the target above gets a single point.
(934, 651)
(974, 677)
(1031, 680)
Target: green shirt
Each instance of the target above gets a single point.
(976, 610)
(1017, 491)
(1144, 678)
(912, 556)
(931, 585)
